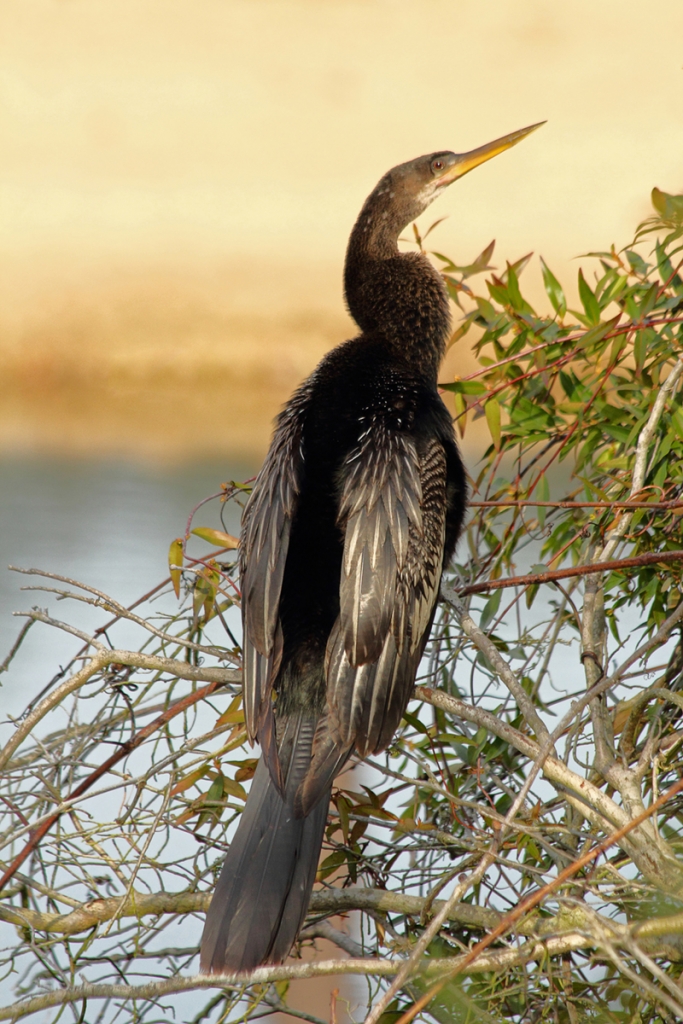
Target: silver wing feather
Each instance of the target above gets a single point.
(393, 511)
(266, 527)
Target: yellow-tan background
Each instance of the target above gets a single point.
(178, 179)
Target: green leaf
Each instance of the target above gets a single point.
(218, 537)
(466, 387)
(212, 802)
(498, 291)
(460, 412)
(454, 289)
(175, 557)
(588, 300)
(669, 207)
(598, 333)
(492, 411)
(233, 715)
(618, 345)
(233, 788)
(542, 493)
(460, 331)
(677, 422)
(638, 264)
(666, 269)
(330, 864)
(640, 349)
(553, 289)
(343, 806)
(431, 227)
(518, 266)
(529, 415)
(490, 609)
(514, 293)
(190, 780)
(567, 383)
(480, 264)
(204, 595)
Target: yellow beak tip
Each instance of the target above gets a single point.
(468, 161)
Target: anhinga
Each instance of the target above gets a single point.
(352, 518)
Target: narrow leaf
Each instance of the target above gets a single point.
(233, 714)
(434, 225)
(233, 788)
(492, 410)
(554, 289)
(588, 300)
(490, 609)
(481, 263)
(218, 537)
(598, 332)
(518, 266)
(542, 494)
(458, 333)
(460, 412)
(343, 808)
(175, 557)
(465, 387)
(190, 780)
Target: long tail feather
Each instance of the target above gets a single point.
(265, 885)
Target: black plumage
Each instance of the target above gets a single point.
(352, 518)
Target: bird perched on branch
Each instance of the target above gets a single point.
(352, 518)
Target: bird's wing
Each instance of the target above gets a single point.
(266, 527)
(393, 513)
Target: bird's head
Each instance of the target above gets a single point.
(401, 295)
(408, 189)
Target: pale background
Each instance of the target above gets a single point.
(179, 177)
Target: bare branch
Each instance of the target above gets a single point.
(103, 658)
(108, 604)
(15, 647)
(497, 662)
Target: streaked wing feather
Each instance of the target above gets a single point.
(266, 527)
(374, 650)
(380, 504)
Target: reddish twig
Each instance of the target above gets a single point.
(620, 329)
(532, 578)
(531, 901)
(188, 526)
(522, 503)
(665, 285)
(118, 755)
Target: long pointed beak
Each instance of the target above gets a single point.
(466, 162)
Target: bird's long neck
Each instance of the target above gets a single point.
(397, 298)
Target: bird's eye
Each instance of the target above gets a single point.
(437, 165)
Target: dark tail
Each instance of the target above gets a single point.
(265, 885)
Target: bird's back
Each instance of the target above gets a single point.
(381, 493)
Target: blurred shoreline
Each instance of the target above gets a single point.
(157, 365)
(166, 366)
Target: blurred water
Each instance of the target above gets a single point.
(108, 524)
